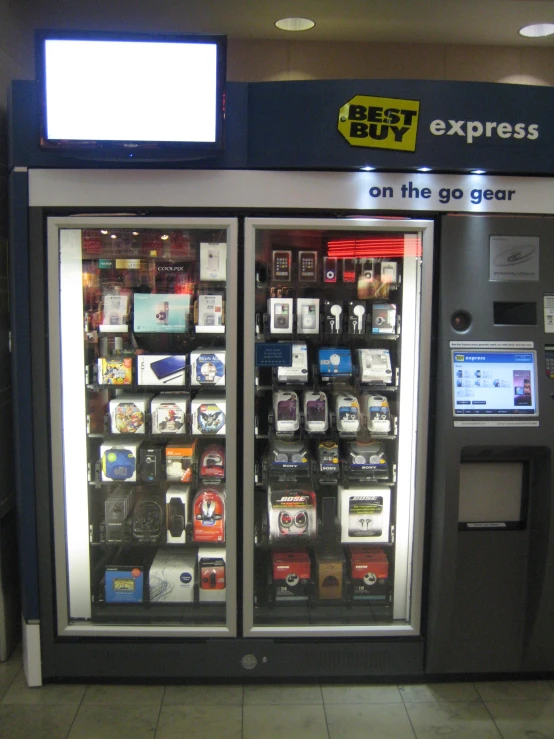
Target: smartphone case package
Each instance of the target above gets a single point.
(169, 413)
(115, 371)
(176, 513)
(364, 514)
(298, 371)
(208, 415)
(171, 578)
(119, 461)
(212, 581)
(161, 369)
(128, 413)
(209, 314)
(213, 262)
(207, 368)
(161, 313)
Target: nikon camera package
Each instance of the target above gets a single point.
(207, 368)
(365, 514)
(212, 585)
(292, 514)
(176, 507)
(208, 515)
(208, 415)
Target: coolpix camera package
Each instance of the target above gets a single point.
(150, 467)
(335, 364)
(282, 265)
(116, 310)
(389, 273)
(291, 573)
(347, 412)
(328, 460)
(128, 413)
(298, 371)
(207, 368)
(115, 371)
(280, 315)
(212, 581)
(316, 412)
(329, 572)
(161, 313)
(286, 411)
(213, 262)
(383, 318)
(208, 415)
(119, 462)
(212, 463)
(161, 369)
(369, 573)
(378, 414)
(357, 312)
(208, 515)
(178, 461)
(375, 366)
(307, 315)
(169, 413)
(171, 578)
(124, 584)
(364, 514)
(307, 266)
(149, 519)
(176, 507)
(333, 316)
(292, 514)
(289, 459)
(209, 314)
(367, 460)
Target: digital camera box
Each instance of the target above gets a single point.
(329, 566)
(207, 368)
(209, 314)
(365, 514)
(169, 413)
(128, 413)
(176, 516)
(291, 573)
(208, 415)
(161, 313)
(212, 577)
(161, 369)
(119, 461)
(171, 577)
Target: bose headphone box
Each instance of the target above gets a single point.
(364, 514)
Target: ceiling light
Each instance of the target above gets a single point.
(368, 169)
(537, 30)
(478, 171)
(424, 169)
(295, 24)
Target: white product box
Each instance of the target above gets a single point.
(208, 415)
(128, 414)
(375, 366)
(172, 576)
(116, 309)
(119, 461)
(281, 315)
(298, 371)
(169, 413)
(212, 575)
(176, 506)
(207, 368)
(364, 514)
(161, 369)
(213, 262)
(209, 317)
(307, 312)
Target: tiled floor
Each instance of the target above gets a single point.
(484, 710)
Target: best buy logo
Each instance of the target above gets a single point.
(382, 123)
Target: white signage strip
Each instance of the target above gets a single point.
(491, 345)
(505, 424)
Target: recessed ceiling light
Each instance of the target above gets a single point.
(424, 169)
(295, 24)
(478, 171)
(537, 30)
(368, 169)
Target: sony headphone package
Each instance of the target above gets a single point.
(176, 507)
(208, 515)
(212, 585)
(365, 514)
(171, 578)
(292, 514)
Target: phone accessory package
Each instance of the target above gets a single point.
(208, 515)
(298, 370)
(178, 461)
(292, 514)
(209, 314)
(375, 366)
(161, 369)
(364, 514)
(335, 363)
(207, 368)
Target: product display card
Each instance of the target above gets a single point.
(161, 313)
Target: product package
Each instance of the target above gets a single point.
(316, 412)
(211, 466)
(209, 314)
(149, 518)
(291, 573)
(212, 585)
(207, 368)
(375, 366)
(365, 514)
(289, 460)
(208, 415)
(119, 461)
(307, 311)
(124, 584)
(115, 371)
(208, 515)
(171, 577)
(117, 507)
(292, 514)
(281, 315)
(176, 507)
(347, 412)
(328, 461)
(369, 573)
(150, 468)
(383, 318)
(169, 413)
(356, 317)
(128, 413)
(378, 414)
(335, 364)
(298, 371)
(178, 461)
(367, 461)
(115, 314)
(286, 411)
(161, 369)
(329, 567)
(213, 262)
(161, 313)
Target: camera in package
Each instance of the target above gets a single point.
(128, 414)
(161, 369)
(119, 462)
(378, 414)
(292, 514)
(375, 366)
(178, 461)
(335, 363)
(171, 577)
(208, 515)
(207, 368)
(115, 371)
(289, 460)
(369, 573)
(115, 314)
(213, 262)
(291, 573)
(383, 318)
(298, 371)
(161, 313)
(169, 413)
(211, 575)
(208, 415)
(365, 514)
(209, 314)
(176, 507)
(367, 460)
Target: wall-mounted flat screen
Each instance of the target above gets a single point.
(130, 92)
(494, 383)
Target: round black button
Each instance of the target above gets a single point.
(461, 321)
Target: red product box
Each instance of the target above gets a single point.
(291, 575)
(369, 573)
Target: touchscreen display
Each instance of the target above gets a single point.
(494, 383)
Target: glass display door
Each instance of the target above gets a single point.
(337, 337)
(142, 357)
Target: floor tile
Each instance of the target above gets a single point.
(435, 692)
(379, 720)
(202, 722)
(123, 721)
(360, 694)
(198, 695)
(523, 690)
(258, 695)
(62, 695)
(456, 720)
(36, 722)
(124, 695)
(523, 719)
(284, 722)
(7, 676)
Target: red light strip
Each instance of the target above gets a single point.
(376, 247)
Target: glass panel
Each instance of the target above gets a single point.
(147, 479)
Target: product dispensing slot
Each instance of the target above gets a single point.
(515, 314)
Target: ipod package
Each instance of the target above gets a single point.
(292, 514)
(365, 514)
(213, 262)
(212, 579)
(208, 415)
(298, 370)
(176, 512)
(307, 312)
(208, 515)
(280, 315)
(207, 368)
(128, 414)
(383, 318)
(169, 413)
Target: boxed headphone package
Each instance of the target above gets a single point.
(161, 369)
(171, 578)
(212, 585)
(333, 316)
(383, 318)
(289, 460)
(329, 568)
(207, 368)
(335, 364)
(365, 514)
(375, 366)
(286, 411)
(149, 518)
(208, 415)
(169, 413)
(208, 515)
(209, 318)
(367, 461)
(378, 414)
(292, 514)
(347, 413)
(213, 262)
(357, 314)
(280, 315)
(328, 460)
(316, 412)
(291, 573)
(119, 461)
(298, 371)
(178, 461)
(307, 312)
(128, 413)
(115, 371)
(161, 313)
(369, 573)
(176, 507)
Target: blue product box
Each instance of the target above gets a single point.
(161, 313)
(335, 363)
(124, 584)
